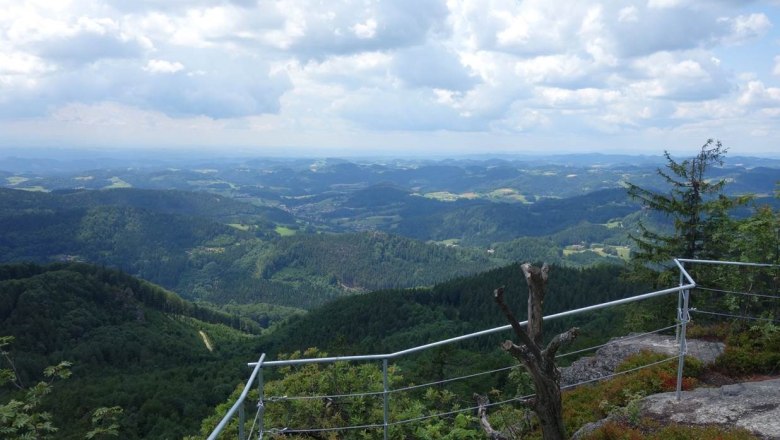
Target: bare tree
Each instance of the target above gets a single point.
(540, 362)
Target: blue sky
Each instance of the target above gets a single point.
(390, 77)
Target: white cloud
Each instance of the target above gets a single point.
(776, 69)
(365, 30)
(163, 66)
(756, 95)
(746, 27)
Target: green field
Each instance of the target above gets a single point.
(15, 180)
(116, 182)
(284, 231)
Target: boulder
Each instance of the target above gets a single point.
(754, 406)
(606, 359)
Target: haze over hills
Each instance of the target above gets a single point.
(295, 233)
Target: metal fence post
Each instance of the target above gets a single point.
(386, 397)
(260, 403)
(683, 344)
(679, 307)
(241, 421)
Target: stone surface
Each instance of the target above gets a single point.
(754, 406)
(608, 357)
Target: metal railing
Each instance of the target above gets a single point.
(686, 284)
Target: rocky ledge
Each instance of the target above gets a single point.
(754, 406)
(607, 358)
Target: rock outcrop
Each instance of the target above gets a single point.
(607, 358)
(754, 406)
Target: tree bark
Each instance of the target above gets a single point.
(539, 362)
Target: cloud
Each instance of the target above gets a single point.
(686, 76)
(432, 66)
(746, 27)
(318, 29)
(85, 41)
(163, 66)
(756, 95)
(416, 110)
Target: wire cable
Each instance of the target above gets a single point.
(729, 315)
(620, 373)
(453, 379)
(254, 422)
(337, 428)
(627, 338)
(761, 295)
(443, 381)
(461, 410)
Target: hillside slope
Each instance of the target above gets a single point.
(132, 344)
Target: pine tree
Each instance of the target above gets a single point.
(694, 203)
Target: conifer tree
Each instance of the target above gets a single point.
(695, 204)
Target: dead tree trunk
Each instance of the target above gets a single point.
(539, 362)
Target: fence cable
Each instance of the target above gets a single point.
(729, 315)
(735, 292)
(254, 422)
(627, 338)
(453, 379)
(462, 410)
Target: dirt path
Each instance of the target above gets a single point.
(206, 340)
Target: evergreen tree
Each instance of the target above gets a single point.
(695, 204)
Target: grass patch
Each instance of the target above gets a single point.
(15, 180)
(116, 182)
(442, 196)
(508, 194)
(284, 231)
(239, 226)
(36, 188)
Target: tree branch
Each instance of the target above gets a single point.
(498, 295)
(560, 341)
(482, 402)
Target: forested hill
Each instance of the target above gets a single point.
(470, 222)
(165, 361)
(180, 241)
(391, 320)
(198, 204)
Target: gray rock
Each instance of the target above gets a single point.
(608, 357)
(754, 406)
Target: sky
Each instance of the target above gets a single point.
(402, 77)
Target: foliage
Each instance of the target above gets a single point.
(133, 345)
(694, 203)
(650, 430)
(105, 422)
(751, 349)
(25, 418)
(316, 397)
(588, 404)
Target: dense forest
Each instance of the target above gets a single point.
(132, 344)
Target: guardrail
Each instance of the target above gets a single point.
(686, 283)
